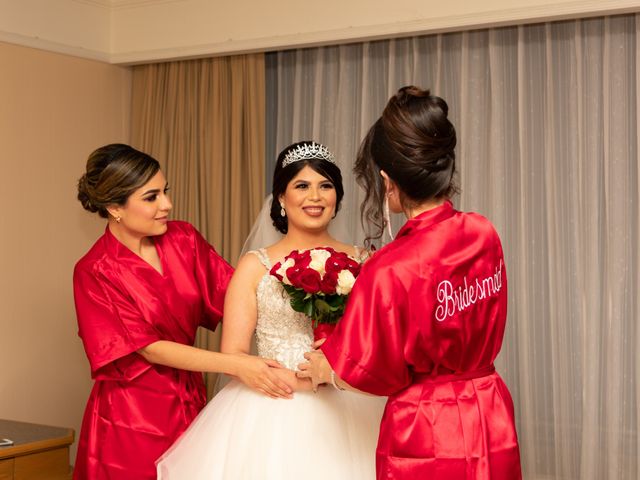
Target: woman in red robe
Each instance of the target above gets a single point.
(426, 317)
(141, 292)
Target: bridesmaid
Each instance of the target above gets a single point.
(141, 292)
(426, 317)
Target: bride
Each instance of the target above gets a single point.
(241, 434)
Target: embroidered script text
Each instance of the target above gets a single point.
(458, 299)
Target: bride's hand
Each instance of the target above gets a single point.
(259, 374)
(317, 368)
(318, 343)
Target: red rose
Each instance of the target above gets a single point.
(293, 274)
(341, 261)
(329, 283)
(354, 267)
(308, 279)
(337, 263)
(274, 271)
(302, 258)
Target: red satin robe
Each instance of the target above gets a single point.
(423, 325)
(137, 409)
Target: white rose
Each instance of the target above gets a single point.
(319, 260)
(345, 282)
(282, 271)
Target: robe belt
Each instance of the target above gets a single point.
(191, 394)
(433, 377)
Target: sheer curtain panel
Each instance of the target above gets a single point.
(548, 150)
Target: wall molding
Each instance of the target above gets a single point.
(50, 46)
(119, 4)
(95, 3)
(476, 21)
(489, 19)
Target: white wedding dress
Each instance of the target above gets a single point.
(242, 435)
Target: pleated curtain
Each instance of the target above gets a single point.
(547, 121)
(204, 120)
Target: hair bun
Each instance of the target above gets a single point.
(85, 194)
(113, 173)
(408, 93)
(442, 162)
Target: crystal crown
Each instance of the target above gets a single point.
(308, 151)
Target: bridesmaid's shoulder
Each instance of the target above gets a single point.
(474, 217)
(382, 259)
(179, 230)
(94, 269)
(179, 227)
(95, 256)
(478, 223)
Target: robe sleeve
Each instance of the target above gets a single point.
(213, 274)
(110, 325)
(367, 347)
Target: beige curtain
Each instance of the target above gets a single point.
(547, 118)
(204, 121)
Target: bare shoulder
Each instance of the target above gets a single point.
(249, 269)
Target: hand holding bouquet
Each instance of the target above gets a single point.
(319, 282)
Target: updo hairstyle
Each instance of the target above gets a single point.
(413, 142)
(282, 177)
(113, 173)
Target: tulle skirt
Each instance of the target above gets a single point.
(329, 435)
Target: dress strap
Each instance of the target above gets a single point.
(261, 253)
(362, 254)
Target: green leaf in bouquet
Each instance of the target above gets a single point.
(320, 308)
(297, 298)
(291, 290)
(309, 309)
(297, 304)
(324, 306)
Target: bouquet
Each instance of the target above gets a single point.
(319, 282)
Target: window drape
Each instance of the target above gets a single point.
(547, 121)
(204, 122)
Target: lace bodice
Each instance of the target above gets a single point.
(281, 333)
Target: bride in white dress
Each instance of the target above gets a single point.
(240, 434)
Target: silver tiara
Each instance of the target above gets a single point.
(308, 151)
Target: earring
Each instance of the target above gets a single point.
(387, 216)
(118, 219)
(282, 212)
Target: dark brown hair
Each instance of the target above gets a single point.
(413, 142)
(113, 173)
(283, 175)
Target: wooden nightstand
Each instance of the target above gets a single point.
(39, 452)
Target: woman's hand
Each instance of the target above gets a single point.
(259, 374)
(318, 343)
(290, 378)
(317, 369)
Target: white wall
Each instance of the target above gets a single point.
(54, 110)
(139, 31)
(75, 27)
